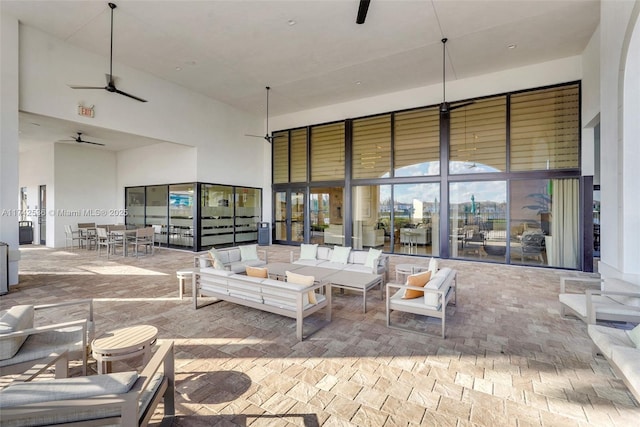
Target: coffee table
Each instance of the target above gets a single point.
(357, 281)
(278, 270)
(123, 343)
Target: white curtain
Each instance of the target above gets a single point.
(564, 224)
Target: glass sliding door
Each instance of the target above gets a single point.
(247, 214)
(325, 206)
(216, 215)
(477, 220)
(417, 219)
(157, 212)
(181, 214)
(135, 204)
(289, 216)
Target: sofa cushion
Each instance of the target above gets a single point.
(605, 338)
(233, 255)
(433, 266)
(303, 281)
(257, 272)
(17, 318)
(244, 287)
(308, 251)
(436, 282)
(340, 254)
(249, 253)
(215, 271)
(216, 261)
(419, 280)
(617, 285)
(634, 336)
(372, 257)
(626, 360)
(66, 388)
(324, 253)
(357, 257)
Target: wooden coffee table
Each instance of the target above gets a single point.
(123, 343)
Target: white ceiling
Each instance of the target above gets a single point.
(231, 50)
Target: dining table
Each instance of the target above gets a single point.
(122, 236)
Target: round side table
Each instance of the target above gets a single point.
(123, 343)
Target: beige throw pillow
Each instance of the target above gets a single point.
(418, 280)
(303, 281)
(260, 272)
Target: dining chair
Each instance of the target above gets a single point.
(143, 237)
(104, 239)
(72, 236)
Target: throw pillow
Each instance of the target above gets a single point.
(257, 272)
(419, 280)
(303, 281)
(340, 254)
(215, 260)
(249, 253)
(634, 335)
(372, 256)
(308, 251)
(433, 266)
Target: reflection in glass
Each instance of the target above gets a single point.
(326, 216)
(247, 215)
(297, 216)
(417, 142)
(280, 209)
(416, 218)
(157, 210)
(477, 220)
(135, 206)
(216, 215)
(181, 215)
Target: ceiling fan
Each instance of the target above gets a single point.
(362, 11)
(79, 140)
(266, 136)
(111, 85)
(446, 107)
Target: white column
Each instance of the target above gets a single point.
(9, 193)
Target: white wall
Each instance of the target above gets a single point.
(85, 190)
(590, 101)
(619, 175)
(547, 73)
(9, 192)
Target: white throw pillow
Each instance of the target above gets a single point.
(372, 256)
(308, 251)
(215, 259)
(340, 254)
(249, 253)
(433, 266)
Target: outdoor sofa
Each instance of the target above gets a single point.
(235, 258)
(274, 296)
(343, 258)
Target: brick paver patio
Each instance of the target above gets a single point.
(509, 359)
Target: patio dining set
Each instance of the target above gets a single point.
(93, 236)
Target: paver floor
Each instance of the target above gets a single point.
(509, 359)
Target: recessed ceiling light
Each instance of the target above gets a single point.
(358, 82)
(291, 22)
(178, 68)
(35, 124)
(512, 46)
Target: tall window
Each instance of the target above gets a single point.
(479, 137)
(372, 147)
(280, 157)
(417, 142)
(299, 155)
(327, 152)
(545, 129)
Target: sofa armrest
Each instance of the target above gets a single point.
(564, 280)
(61, 362)
(591, 312)
(41, 329)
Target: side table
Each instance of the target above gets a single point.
(123, 343)
(184, 275)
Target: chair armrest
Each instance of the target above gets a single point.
(591, 312)
(564, 280)
(162, 357)
(41, 329)
(87, 301)
(36, 370)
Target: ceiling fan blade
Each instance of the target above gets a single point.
(129, 95)
(255, 136)
(89, 142)
(466, 104)
(362, 11)
(86, 87)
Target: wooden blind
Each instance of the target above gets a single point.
(280, 157)
(327, 152)
(299, 155)
(372, 147)
(545, 129)
(478, 137)
(417, 142)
